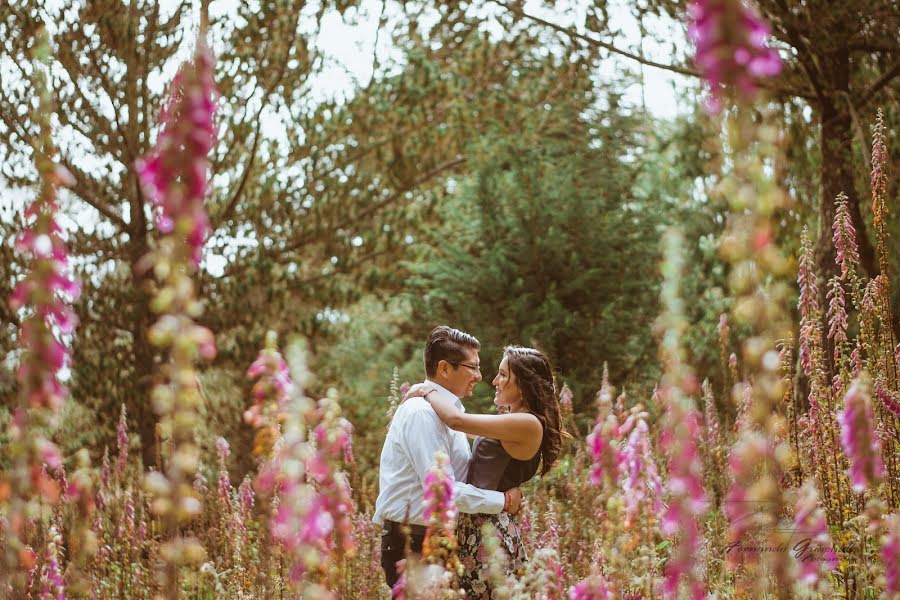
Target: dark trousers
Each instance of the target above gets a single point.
(393, 547)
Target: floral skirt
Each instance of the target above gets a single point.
(473, 555)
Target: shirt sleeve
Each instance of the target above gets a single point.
(426, 434)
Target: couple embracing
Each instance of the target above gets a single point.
(509, 448)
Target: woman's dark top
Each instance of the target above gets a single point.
(492, 468)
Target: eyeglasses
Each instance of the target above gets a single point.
(473, 368)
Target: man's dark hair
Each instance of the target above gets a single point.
(446, 343)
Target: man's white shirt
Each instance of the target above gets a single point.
(415, 434)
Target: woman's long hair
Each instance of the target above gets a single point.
(534, 376)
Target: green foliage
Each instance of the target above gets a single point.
(546, 244)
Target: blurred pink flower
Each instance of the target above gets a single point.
(858, 437)
(731, 51)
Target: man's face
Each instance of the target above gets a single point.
(460, 378)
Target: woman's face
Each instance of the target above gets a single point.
(508, 396)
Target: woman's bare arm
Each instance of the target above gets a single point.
(520, 433)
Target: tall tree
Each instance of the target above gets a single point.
(546, 243)
(842, 59)
(304, 220)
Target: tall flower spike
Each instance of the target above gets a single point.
(122, 442)
(639, 476)
(731, 52)
(594, 587)
(858, 437)
(808, 303)
(270, 393)
(844, 238)
(890, 555)
(814, 554)
(837, 315)
(889, 398)
(333, 446)
(440, 514)
(680, 433)
(46, 292)
(174, 176)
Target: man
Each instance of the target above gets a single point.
(452, 367)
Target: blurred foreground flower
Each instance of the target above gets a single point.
(731, 52)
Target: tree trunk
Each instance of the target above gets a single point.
(836, 177)
(142, 358)
(837, 174)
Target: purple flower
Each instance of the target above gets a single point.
(174, 175)
(890, 555)
(858, 437)
(440, 513)
(837, 315)
(809, 522)
(731, 53)
(592, 588)
(889, 398)
(122, 442)
(844, 238)
(639, 477)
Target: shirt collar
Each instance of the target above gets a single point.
(447, 393)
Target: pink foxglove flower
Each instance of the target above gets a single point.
(51, 583)
(889, 398)
(639, 477)
(731, 51)
(175, 173)
(440, 514)
(223, 450)
(122, 443)
(814, 551)
(890, 555)
(837, 315)
(858, 438)
(808, 303)
(592, 588)
(333, 439)
(844, 237)
(686, 501)
(270, 393)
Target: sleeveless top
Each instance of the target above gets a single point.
(492, 468)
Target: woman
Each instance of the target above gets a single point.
(506, 453)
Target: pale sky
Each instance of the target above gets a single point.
(349, 50)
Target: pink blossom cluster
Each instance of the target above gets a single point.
(223, 450)
(333, 446)
(837, 314)
(48, 290)
(592, 588)
(808, 303)
(51, 583)
(889, 398)
(440, 510)
(731, 51)
(844, 237)
(640, 479)
(175, 173)
(687, 497)
(603, 445)
(818, 557)
(122, 442)
(890, 555)
(858, 438)
(271, 393)
(751, 450)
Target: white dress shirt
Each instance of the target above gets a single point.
(415, 434)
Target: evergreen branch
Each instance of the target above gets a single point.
(84, 189)
(637, 57)
(239, 192)
(878, 84)
(595, 42)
